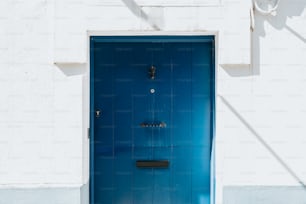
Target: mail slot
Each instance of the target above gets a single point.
(152, 163)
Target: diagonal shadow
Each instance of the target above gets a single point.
(262, 141)
(137, 11)
(299, 36)
(286, 10)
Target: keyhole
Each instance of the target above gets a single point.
(98, 112)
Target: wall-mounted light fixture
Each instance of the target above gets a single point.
(266, 7)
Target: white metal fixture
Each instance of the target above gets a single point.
(266, 7)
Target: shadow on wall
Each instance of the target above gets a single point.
(71, 69)
(286, 10)
(139, 12)
(263, 142)
(85, 193)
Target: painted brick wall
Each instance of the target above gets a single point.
(41, 118)
(260, 109)
(230, 19)
(261, 113)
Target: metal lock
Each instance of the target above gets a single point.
(98, 113)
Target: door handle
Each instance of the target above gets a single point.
(153, 125)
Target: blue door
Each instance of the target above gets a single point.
(152, 110)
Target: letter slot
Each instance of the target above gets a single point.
(152, 163)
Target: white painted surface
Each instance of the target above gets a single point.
(229, 18)
(44, 108)
(265, 144)
(40, 195)
(264, 195)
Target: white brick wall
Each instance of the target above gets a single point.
(229, 18)
(41, 117)
(270, 98)
(43, 112)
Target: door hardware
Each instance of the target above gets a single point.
(152, 163)
(152, 72)
(98, 113)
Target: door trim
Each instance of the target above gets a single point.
(157, 36)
